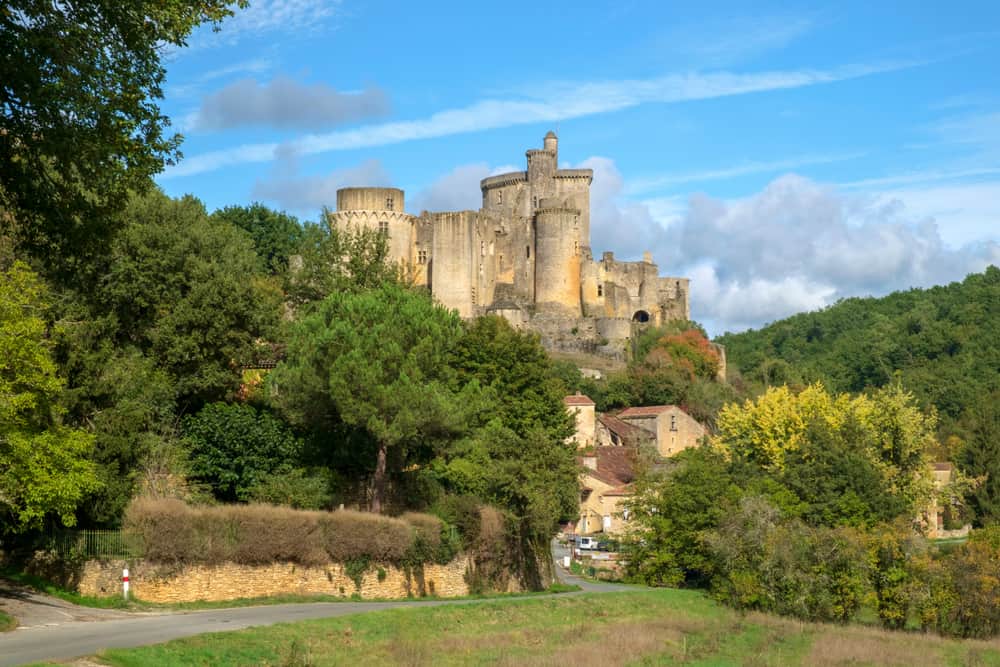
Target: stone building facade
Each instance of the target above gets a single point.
(524, 255)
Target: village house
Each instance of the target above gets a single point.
(673, 428)
(605, 486)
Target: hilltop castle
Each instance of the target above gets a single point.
(525, 255)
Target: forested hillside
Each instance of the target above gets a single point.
(942, 342)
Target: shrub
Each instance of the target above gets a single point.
(173, 532)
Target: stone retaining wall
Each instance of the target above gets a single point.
(188, 583)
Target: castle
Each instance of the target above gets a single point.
(525, 255)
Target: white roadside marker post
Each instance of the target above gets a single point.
(125, 583)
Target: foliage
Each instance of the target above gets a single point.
(276, 236)
(235, 447)
(853, 461)
(981, 458)
(671, 511)
(80, 126)
(892, 549)
(375, 361)
(813, 573)
(187, 293)
(942, 343)
(296, 488)
(172, 532)
(44, 466)
(332, 259)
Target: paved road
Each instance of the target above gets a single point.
(76, 631)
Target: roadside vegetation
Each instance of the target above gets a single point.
(661, 626)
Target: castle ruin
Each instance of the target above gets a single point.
(525, 255)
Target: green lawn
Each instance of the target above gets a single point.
(646, 627)
(7, 622)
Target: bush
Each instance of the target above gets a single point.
(812, 573)
(173, 532)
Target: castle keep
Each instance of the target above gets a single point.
(525, 255)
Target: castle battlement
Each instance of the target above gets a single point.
(525, 255)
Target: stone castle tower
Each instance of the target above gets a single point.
(525, 255)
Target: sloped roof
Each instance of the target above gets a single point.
(630, 434)
(644, 411)
(578, 399)
(615, 466)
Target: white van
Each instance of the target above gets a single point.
(588, 543)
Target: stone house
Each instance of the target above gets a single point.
(606, 483)
(583, 408)
(674, 429)
(613, 432)
(933, 516)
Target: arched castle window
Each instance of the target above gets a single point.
(421, 257)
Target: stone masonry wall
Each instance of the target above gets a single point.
(175, 583)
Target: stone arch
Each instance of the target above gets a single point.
(641, 316)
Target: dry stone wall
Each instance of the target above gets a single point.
(160, 583)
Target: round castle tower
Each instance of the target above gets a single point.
(557, 257)
(381, 210)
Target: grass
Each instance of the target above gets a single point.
(647, 627)
(49, 588)
(7, 622)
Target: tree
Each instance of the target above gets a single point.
(276, 236)
(43, 464)
(336, 259)
(80, 127)
(188, 294)
(235, 448)
(375, 361)
(981, 458)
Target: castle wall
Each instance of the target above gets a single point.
(397, 226)
(370, 199)
(557, 266)
(451, 282)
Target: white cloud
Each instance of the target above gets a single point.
(266, 16)
(796, 245)
(458, 190)
(285, 103)
(563, 101)
(309, 194)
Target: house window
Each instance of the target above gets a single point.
(389, 203)
(421, 257)
(600, 290)
(673, 422)
(383, 227)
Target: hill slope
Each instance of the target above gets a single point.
(944, 342)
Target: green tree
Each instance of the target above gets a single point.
(336, 259)
(234, 448)
(276, 236)
(981, 458)
(80, 126)
(44, 466)
(188, 294)
(375, 361)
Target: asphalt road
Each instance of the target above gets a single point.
(86, 635)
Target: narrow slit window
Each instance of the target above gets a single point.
(527, 251)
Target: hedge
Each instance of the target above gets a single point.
(169, 531)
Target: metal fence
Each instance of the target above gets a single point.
(104, 544)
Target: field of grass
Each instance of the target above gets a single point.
(642, 627)
(7, 622)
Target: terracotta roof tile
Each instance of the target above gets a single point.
(578, 399)
(645, 411)
(625, 430)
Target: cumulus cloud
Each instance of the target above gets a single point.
(458, 190)
(308, 194)
(285, 103)
(801, 245)
(796, 245)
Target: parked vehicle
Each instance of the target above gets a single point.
(586, 543)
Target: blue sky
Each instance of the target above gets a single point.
(781, 158)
